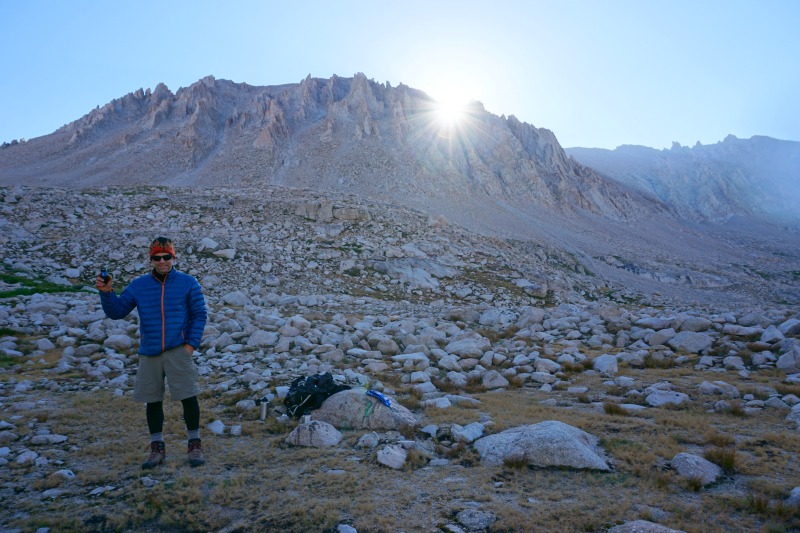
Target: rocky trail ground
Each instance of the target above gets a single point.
(528, 391)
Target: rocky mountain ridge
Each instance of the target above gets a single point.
(339, 134)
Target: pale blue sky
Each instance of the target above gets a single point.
(598, 73)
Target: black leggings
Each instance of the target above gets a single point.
(191, 414)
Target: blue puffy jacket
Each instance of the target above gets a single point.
(171, 314)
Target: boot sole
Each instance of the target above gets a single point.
(150, 466)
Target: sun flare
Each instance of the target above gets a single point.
(451, 111)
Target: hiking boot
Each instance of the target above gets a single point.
(195, 453)
(157, 455)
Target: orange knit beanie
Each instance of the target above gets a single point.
(162, 245)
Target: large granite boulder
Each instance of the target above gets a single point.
(550, 443)
(354, 409)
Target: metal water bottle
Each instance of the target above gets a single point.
(263, 403)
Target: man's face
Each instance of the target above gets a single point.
(162, 262)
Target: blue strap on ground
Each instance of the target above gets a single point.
(383, 399)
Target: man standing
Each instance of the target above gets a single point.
(172, 316)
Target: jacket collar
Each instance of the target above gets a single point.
(159, 277)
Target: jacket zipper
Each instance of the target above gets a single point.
(163, 319)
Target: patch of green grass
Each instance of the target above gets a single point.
(615, 295)
(354, 246)
(31, 286)
(492, 278)
(7, 361)
(8, 332)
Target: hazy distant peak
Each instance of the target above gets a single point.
(753, 177)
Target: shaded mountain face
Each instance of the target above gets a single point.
(341, 134)
(756, 177)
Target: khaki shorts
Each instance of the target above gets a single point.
(178, 368)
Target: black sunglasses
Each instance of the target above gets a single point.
(157, 258)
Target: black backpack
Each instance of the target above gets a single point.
(307, 393)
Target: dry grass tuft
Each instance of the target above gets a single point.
(50, 482)
(415, 460)
(474, 385)
(735, 409)
(615, 409)
(785, 511)
(462, 454)
(725, 458)
(662, 480)
(445, 385)
(658, 362)
(788, 388)
(577, 368)
(495, 335)
(768, 487)
(631, 456)
(694, 484)
(408, 431)
(715, 438)
(756, 503)
(515, 463)
(760, 393)
(516, 382)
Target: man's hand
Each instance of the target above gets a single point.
(102, 286)
(189, 349)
